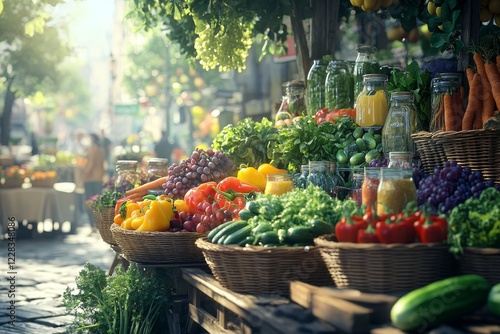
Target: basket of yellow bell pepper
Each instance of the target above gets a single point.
(142, 231)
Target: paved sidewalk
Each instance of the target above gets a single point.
(44, 268)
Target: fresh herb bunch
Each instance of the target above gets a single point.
(107, 199)
(414, 80)
(127, 302)
(306, 141)
(248, 142)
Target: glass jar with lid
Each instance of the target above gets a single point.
(400, 160)
(294, 99)
(364, 64)
(319, 175)
(278, 184)
(316, 86)
(446, 87)
(127, 176)
(400, 124)
(300, 179)
(337, 183)
(157, 168)
(339, 86)
(372, 103)
(395, 190)
(369, 188)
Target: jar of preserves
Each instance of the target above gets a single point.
(369, 188)
(364, 64)
(395, 190)
(400, 124)
(446, 88)
(400, 160)
(316, 86)
(294, 99)
(319, 175)
(300, 179)
(157, 168)
(278, 184)
(372, 104)
(127, 176)
(337, 183)
(339, 86)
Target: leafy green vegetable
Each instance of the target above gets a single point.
(107, 199)
(127, 302)
(476, 222)
(306, 141)
(248, 142)
(414, 80)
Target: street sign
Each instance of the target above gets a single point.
(127, 109)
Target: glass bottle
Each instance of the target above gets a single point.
(395, 190)
(127, 176)
(369, 187)
(278, 184)
(400, 160)
(294, 98)
(157, 168)
(442, 88)
(339, 86)
(337, 183)
(364, 64)
(316, 86)
(400, 124)
(300, 179)
(319, 176)
(372, 103)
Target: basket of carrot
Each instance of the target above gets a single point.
(463, 131)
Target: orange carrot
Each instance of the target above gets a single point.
(488, 101)
(437, 121)
(494, 79)
(449, 116)
(473, 104)
(143, 189)
(470, 75)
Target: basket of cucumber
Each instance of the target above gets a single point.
(266, 270)
(158, 247)
(385, 268)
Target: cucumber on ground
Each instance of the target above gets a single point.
(439, 302)
(229, 229)
(238, 236)
(494, 300)
(216, 230)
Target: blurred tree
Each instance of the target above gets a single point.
(30, 52)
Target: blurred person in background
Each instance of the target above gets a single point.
(163, 148)
(94, 169)
(108, 154)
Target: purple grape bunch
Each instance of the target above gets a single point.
(203, 166)
(449, 186)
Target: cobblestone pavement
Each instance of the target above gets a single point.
(44, 268)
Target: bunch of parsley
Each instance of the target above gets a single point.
(130, 301)
(107, 199)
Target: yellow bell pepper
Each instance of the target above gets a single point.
(181, 206)
(252, 176)
(127, 224)
(267, 169)
(118, 219)
(137, 222)
(158, 217)
(131, 207)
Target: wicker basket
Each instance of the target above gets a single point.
(430, 151)
(104, 221)
(477, 149)
(158, 247)
(43, 183)
(481, 261)
(266, 270)
(381, 268)
(11, 183)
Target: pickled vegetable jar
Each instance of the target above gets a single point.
(395, 190)
(319, 175)
(369, 187)
(400, 160)
(400, 124)
(372, 103)
(278, 184)
(157, 168)
(294, 99)
(127, 176)
(364, 64)
(315, 92)
(339, 86)
(300, 179)
(446, 87)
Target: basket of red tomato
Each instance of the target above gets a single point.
(391, 253)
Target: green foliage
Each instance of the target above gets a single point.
(414, 80)
(107, 199)
(128, 302)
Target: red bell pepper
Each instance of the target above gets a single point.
(205, 192)
(320, 115)
(367, 236)
(431, 228)
(236, 185)
(347, 229)
(395, 230)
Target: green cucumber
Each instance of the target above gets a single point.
(253, 207)
(247, 241)
(245, 214)
(494, 300)
(378, 138)
(300, 234)
(229, 229)
(357, 159)
(372, 155)
(360, 143)
(357, 133)
(439, 302)
(238, 236)
(370, 142)
(216, 230)
(262, 227)
(341, 156)
(351, 149)
(320, 227)
(269, 237)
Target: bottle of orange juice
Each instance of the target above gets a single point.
(372, 104)
(278, 184)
